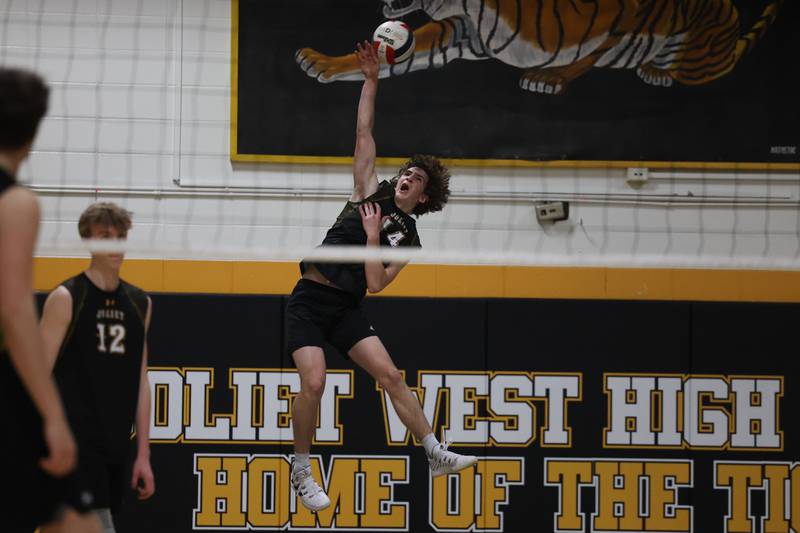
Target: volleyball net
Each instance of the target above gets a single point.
(141, 114)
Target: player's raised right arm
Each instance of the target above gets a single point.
(365, 181)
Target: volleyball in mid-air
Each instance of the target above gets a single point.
(394, 41)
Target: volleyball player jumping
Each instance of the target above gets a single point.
(325, 305)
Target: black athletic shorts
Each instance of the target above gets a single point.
(106, 480)
(317, 313)
(33, 497)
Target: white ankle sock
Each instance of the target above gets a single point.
(301, 460)
(429, 442)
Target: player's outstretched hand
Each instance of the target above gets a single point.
(142, 480)
(371, 219)
(367, 60)
(61, 447)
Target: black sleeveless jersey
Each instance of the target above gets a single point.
(21, 432)
(99, 364)
(6, 182)
(398, 229)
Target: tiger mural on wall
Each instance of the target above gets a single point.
(554, 42)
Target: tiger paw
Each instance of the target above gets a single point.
(538, 81)
(326, 68)
(654, 76)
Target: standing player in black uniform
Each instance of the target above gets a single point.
(326, 303)
(37, 448)
(94, 327)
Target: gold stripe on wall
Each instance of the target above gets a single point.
(447, 281)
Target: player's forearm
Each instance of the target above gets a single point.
(374, 270)
(25, 349)
(143, 420)
(364, 179)
(366, 107)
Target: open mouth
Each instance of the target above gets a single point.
(404, 187)
(398, 8)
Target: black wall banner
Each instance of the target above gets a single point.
(648, 86)
(586, 416)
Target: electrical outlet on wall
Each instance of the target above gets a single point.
(637, 176)
(552, 211)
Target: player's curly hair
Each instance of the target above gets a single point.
(438, 188)
(105, 214)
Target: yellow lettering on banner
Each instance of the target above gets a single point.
(221, 483)
(619, 495)
(459, 502)
(663, 497)
(380, 511)
(776, 475)
(739, 479)
(568, 476)
(780, 482)
(493, 492)
(254, 491)
(618, 486)
(342, 492)
(275, 471)
(447, 514)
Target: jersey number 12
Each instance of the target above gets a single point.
(116, 333)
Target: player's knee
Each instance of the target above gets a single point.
(314, 384)
(392, 380)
